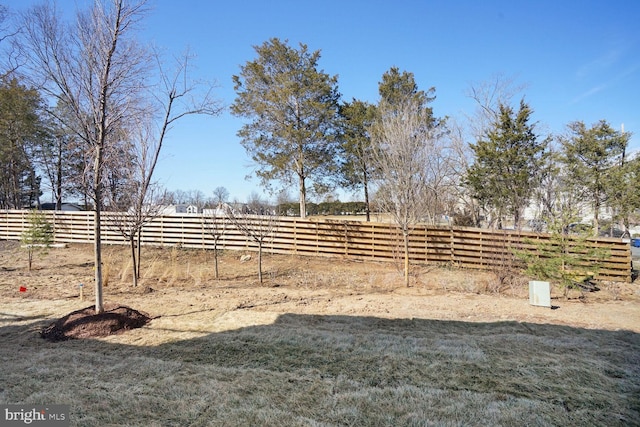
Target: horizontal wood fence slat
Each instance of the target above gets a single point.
(465, 247)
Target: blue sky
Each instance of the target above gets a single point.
(580, 60)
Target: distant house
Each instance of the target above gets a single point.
(172, 209)
(220, 210)
(69, 207)
(178, 209)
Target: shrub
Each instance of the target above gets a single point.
(564, 259)
(37, 238)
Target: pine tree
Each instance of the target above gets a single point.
(624, 197)
(293, 108)
(397, 88)
(568, 260)
(357, 169)
(37, 238)
(21, 130)
(507, 161)
(593, 157)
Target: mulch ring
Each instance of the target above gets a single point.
(85, 323)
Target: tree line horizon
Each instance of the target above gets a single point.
(86, 106)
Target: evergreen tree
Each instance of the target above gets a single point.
(21, 129)
(507, 161)
(37, 238)
(396, 89)
(624, 196)
(357, 169)
(593, 158)
(570, 261)
(293, 108)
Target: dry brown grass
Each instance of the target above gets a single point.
(335, 370)
(323, 343)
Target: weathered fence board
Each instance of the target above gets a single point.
(465, 247)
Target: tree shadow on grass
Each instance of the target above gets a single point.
(10, 317)
(336, 370)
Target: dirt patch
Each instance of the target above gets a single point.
(85, 323)
(179, 288)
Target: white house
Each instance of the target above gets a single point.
(172, 209)
(220, 210)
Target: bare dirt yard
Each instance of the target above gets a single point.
(181, 282)
(322, 342)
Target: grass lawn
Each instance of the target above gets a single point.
(309, 370)
(324, 342)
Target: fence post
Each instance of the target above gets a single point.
(453, 246)
(346, 239)
(426, 243)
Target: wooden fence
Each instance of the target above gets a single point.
(461, 246)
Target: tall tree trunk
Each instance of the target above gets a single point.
(596, 216)
(260, 261)
(366, 196)
(97, 244)
(34, 191)
(405, 235)
(58, 189)
(132, 241)
(139, 256)
(303, 198)
(97, 249)
(215, 255)
(15, 184)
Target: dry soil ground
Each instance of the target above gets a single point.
(179, 291)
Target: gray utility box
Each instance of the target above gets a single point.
(539, 293)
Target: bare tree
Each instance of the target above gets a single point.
(139, 201)
(404, 139)
(216, 226)
(466, 210)
(4, 31)
(257, 205)
(101, 74)
(556, 202)
(97, 70)
(220, 196)
(130, 222)
(259, 228)
(488, 95)
(145, 199)
(197, 198)
(440, 175)
(8, 63)
(177, 197)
